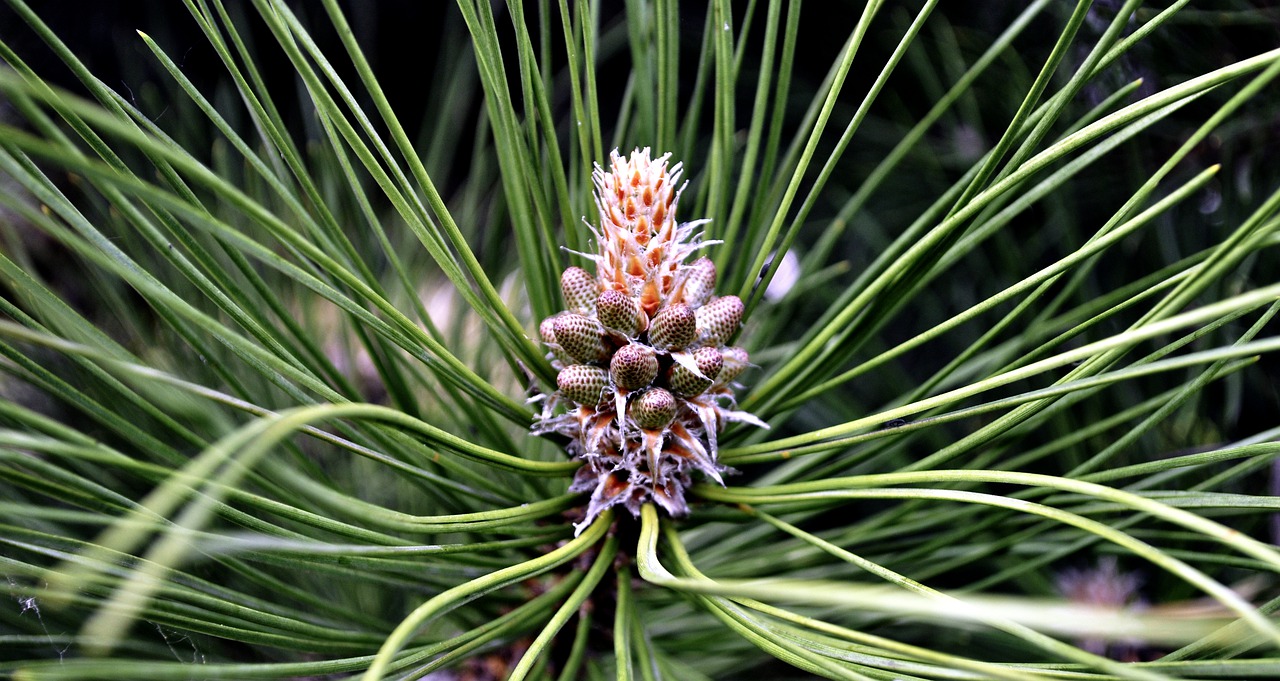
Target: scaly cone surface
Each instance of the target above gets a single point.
(646, 381)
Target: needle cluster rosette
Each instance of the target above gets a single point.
(646, 379)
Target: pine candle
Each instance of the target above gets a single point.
(646, 378)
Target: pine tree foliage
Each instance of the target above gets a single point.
(658, 341)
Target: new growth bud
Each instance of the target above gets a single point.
(720, 319)
(685, 383)
(642, 348)
(620, 312)
(633, 367)
(654, 409)
(699, 283)
(674, 328)
(580, 336)
(586, 385)
(579, 289)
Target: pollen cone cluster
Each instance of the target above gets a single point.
(646, 380)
